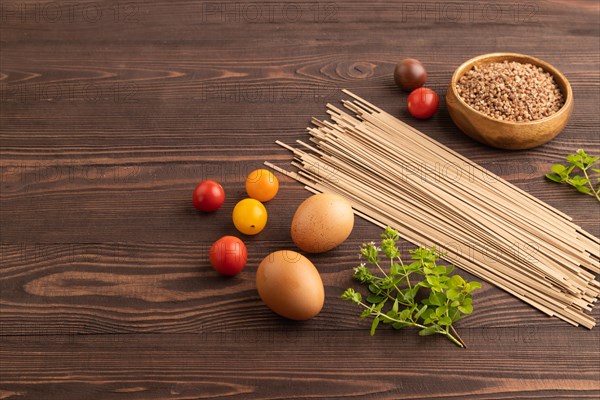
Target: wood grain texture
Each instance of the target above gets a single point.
(111, 112)
(294, 361)
(158, 287)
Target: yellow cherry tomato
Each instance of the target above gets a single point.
(249, 216)
(262, 185)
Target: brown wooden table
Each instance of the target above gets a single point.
(113, 111)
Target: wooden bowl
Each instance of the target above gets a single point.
(504, 134)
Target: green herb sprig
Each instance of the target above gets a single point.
(448, 299)
(562, 173)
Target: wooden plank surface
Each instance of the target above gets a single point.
(112, 112)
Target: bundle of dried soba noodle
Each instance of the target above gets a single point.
(395, 175)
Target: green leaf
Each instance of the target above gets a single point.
(374, 298)
(473, 285)
(387, 283)
(437, 299)
(374, 289)
(452, 294)
(400, 325)
(374, 326)
(554, 177)
(370, 252)
(578, 180)
(596, 170)
(574, 158)
(456, 316)
(583, 189)
(379, 306)
(457, 280)
(390, 234)
(440, 270)
(351, 295)
(347, 295)
(414, 291)
(466, 307)
(427, 313)
(445, 320)
(397, 280)
(441, 310)
(388, 246)
(366, 312)
(413, 267)
(404, 314)
(420, 312)
(558, 168)
(432, 280)
(362, 274)
(430, 330)
(392, 314)
(395, 269)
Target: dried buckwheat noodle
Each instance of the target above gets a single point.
(395, 175)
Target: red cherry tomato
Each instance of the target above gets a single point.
(228, 255)
(208, 196)
(423, 103)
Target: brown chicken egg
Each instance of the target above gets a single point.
(290, 285)
(322, 222)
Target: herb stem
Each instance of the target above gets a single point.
(452, 338)
(380, 314)
(386, 275)
(395, 298)
(459, 342)
(458, 336)
(381, 269)
(590, 184)
(405, 273)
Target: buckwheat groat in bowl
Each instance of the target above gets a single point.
(510, 101)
